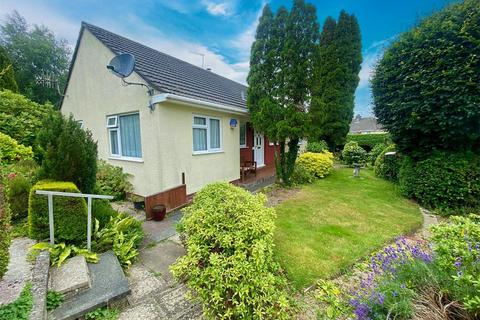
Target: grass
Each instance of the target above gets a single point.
(332, 223)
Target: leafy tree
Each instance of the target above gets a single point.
(426, 86)
(34, 50)
(338, 62)
(280, 78)
(68, 152)
(21, 118)
(7, 76)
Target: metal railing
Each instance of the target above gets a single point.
(89, 197)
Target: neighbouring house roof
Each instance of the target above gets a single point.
(171, 75)
(363, 125)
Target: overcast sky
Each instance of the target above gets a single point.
(222, 30)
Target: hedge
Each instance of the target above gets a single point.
(387, 167)
(18, 189)
(445, 181)
(11, 151)
(370, 140)
(4, 232)
(70, 214)
(426, 86)
(230, 264)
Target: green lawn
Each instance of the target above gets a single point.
(333, 222)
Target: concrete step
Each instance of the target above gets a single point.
(71, 278)
(108, 283)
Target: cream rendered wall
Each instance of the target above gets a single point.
(176, 148)
(94, 92)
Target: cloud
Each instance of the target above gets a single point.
(363, 96)
(217, 9)
(243, 41)
(66, 27)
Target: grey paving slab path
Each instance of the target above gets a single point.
(156, 231)
(108, 283)
(19, 270)
(154, 292)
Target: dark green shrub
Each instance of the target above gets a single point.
(11, 151)
(425, 87)
(317, 146)
(370, 140)
(68, 152)
(375, 152)
(387, 167)
(21, 118)
(102, 211)
(4, 231)
(301, 175)
(70, 214)
(229, 241)
(443, 181)
(112, 180)
(18, 189)
(353, 153)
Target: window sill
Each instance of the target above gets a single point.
(197, 153)
(139, 160)
(243, 147)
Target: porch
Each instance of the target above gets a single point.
(265, 176)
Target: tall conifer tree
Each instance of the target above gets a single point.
(338, 63)
(280, 78)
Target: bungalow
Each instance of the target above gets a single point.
(178, 129)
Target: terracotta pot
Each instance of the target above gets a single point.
(158, 212)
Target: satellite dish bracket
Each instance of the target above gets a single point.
(150, 90)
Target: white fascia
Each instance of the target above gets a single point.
(162, 97)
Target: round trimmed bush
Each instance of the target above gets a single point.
(69, 214)
(443, 181)
(387, 167)
(426, 86)
(375, 152)
(318, 165)
(353, 153)
(229, 262)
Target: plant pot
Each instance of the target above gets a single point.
(139, 205)
(159, 212)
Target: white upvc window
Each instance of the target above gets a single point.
(243, 135)
(124, 136)
(207, 134)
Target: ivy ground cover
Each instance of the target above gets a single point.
(333, 222)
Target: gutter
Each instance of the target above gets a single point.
(163, 97)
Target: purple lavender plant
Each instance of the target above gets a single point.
(384, 264)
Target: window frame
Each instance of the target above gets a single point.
(117, 128)
(243, 146)
(207, 127)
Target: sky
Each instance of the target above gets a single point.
(221, 30)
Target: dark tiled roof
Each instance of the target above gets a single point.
(370, 124)
(171, 75)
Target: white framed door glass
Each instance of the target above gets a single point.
(258, 148)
